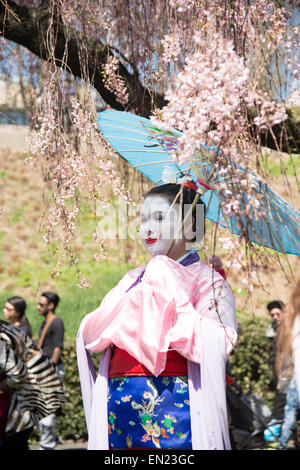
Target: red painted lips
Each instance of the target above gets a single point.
(150, 241)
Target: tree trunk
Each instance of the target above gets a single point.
(30, 27)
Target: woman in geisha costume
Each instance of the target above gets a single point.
(165, 332)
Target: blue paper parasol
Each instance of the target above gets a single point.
(275, 224)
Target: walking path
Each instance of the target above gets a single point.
(64, 445)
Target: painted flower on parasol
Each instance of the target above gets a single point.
(235, 197)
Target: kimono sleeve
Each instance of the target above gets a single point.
(216, 302)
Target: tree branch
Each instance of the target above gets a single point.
(286, 134)
(30, 27)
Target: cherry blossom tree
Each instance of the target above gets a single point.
(212, 69)
(148, 42)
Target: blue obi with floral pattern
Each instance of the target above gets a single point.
(149, 412)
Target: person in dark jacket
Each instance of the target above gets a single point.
(51, 337)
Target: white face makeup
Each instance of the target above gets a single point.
(159, 226)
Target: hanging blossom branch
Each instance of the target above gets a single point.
(113, 81)
(182, 6)
(209, 104)
(101, 167)
(171, 48)
(71, 172)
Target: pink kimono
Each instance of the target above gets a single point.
(190, 309)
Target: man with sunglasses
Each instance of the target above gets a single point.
(51, 337)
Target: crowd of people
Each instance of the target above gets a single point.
(18, 374)
(165, 333)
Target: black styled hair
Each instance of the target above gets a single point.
(19, 304)
(52, 297)
(171, 190)
(275, 304)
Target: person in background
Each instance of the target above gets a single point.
(279, 385)
(13, 374)
(4, 403)
(14, 312)
(276, 312)
(51, 338)
(217, 265)
(30, 387)
(288, 364)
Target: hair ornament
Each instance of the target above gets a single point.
(169, 175)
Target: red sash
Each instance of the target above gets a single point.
(124, 365)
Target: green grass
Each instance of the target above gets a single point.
(27, 263)
(75, 302)
(16, 216)
(290, 166)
